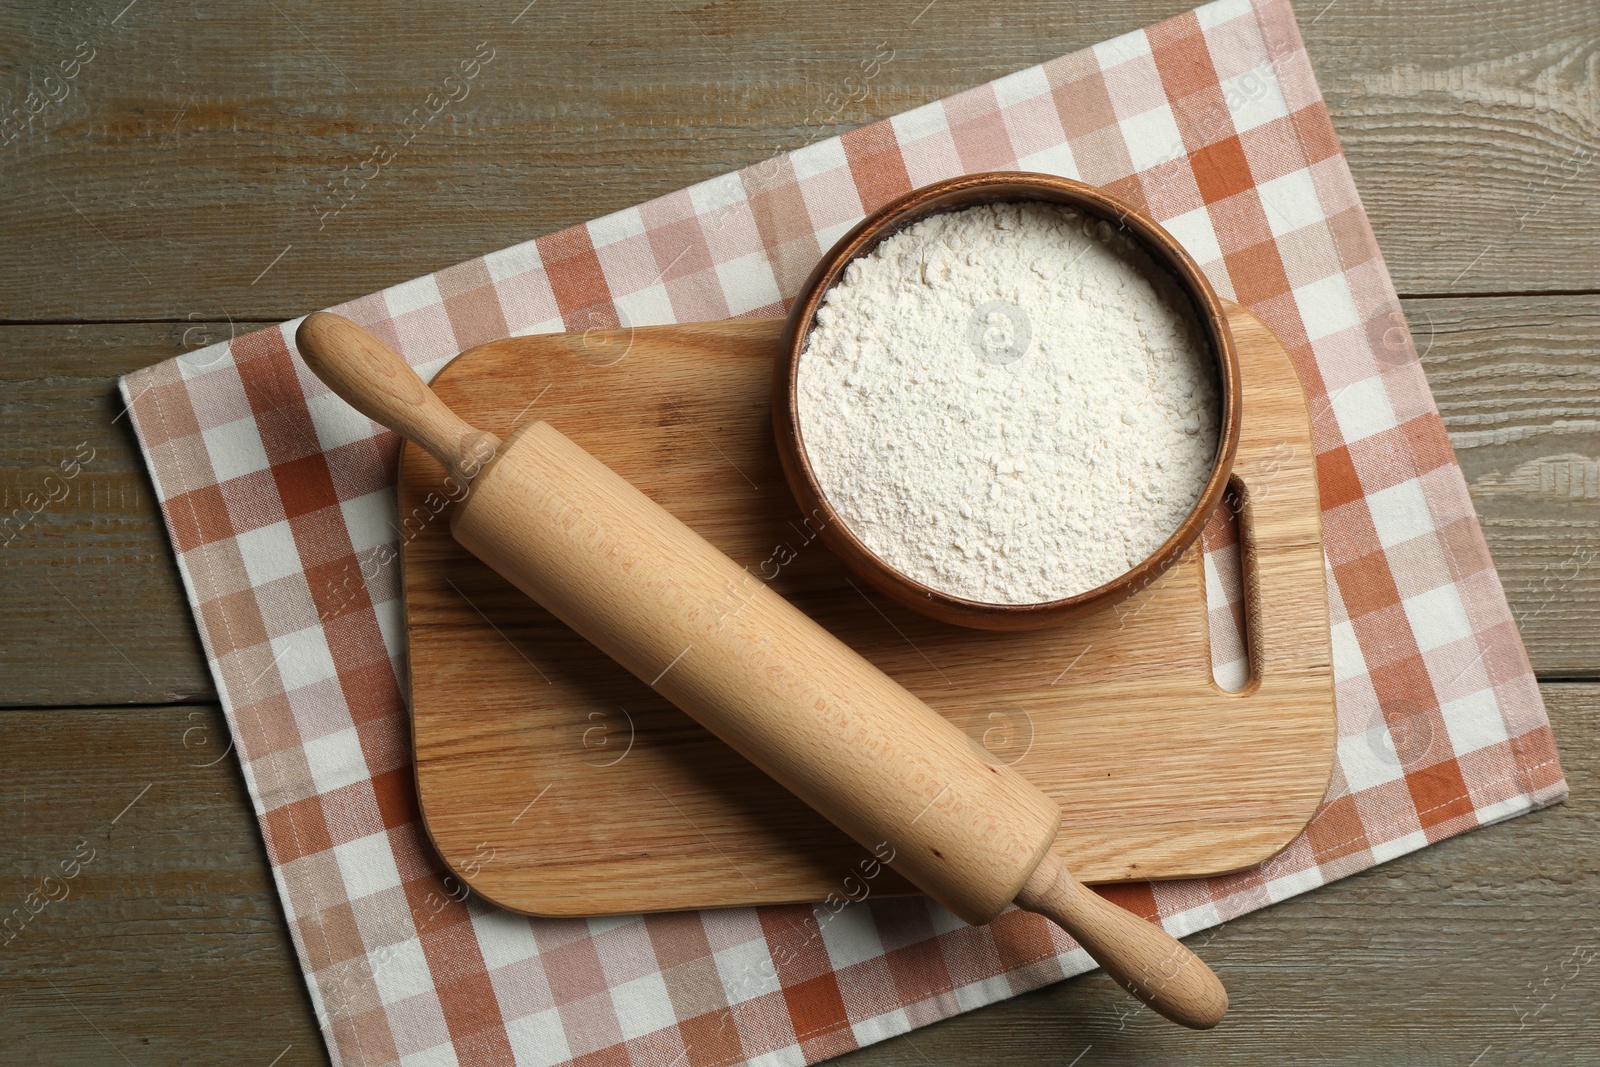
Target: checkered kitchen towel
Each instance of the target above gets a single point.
(272, 488)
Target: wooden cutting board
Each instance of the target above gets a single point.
(553, 782)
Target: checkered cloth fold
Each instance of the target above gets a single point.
(273, 490)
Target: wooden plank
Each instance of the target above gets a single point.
(94, 612)
(169, 945)
(191, 165)
(1518, 388)
(1472, 133)
(170, 941)
(1528, 441)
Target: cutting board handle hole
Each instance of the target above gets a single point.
(1232, 588)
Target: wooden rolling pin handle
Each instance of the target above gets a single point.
(372, 378)
(1142, 957)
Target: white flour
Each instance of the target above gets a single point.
(1010, 403)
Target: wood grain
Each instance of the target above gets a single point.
(94, 611)
(172, 941)
(185, 172)
(169, 946)
(1115, 717)
(1409, 87)
(1519, 393)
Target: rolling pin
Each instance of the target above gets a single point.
(759, 673)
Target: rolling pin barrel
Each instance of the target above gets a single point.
(759, 673)
(755, 670)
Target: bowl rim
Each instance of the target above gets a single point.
(954, 194)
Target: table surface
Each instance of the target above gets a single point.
(169, 193)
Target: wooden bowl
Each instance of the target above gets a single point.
(954, 194)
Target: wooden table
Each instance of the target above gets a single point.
(171, 194)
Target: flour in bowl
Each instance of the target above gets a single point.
(1010, 403)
